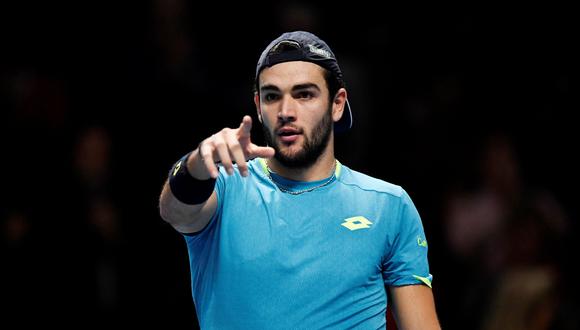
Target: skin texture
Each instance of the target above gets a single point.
(414, 307)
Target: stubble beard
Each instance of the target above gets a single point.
(312, 148)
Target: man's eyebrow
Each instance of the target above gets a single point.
(305, 86)
(299, 87)
(269, 88)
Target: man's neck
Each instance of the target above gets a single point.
(321, 169)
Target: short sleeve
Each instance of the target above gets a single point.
(405, 260)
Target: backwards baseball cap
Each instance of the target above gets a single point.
(304, 46)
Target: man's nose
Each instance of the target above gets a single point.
(287, 110)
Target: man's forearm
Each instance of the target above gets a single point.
(174, 211)
(184, 197)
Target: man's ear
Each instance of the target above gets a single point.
(338, 104)
(257, 103)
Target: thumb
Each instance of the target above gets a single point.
(264, 152)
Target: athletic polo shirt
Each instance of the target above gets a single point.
(273, 260)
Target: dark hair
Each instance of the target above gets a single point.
(333, 83)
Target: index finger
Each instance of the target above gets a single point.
(246, 126)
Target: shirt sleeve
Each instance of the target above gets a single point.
(405, 259)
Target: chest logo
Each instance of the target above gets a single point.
(356, 223)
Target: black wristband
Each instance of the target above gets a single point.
(186, 188)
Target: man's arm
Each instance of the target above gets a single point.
(227, 147)
(414, 307)
(187, 218)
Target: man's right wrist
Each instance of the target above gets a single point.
(185, 187)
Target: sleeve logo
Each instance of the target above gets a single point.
(421, 242)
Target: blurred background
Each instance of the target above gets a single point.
(469, 109)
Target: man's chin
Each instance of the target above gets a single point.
(288, 156)
(291, 149)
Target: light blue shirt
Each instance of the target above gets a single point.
(269, 259)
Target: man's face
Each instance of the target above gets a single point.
(295, 111)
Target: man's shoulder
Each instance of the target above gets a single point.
(366, 182)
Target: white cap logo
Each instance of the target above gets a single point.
(319, 51)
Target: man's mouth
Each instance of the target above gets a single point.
(288, 134)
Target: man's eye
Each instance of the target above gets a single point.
(304, 95)
(270, 97)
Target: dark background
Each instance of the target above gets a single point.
(133, 86)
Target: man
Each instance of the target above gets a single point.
(288, 237)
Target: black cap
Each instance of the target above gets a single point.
(304, 46)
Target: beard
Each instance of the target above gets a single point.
(312, 148)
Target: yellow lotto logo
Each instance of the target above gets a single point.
(356, 223)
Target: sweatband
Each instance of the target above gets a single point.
(185, 187)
